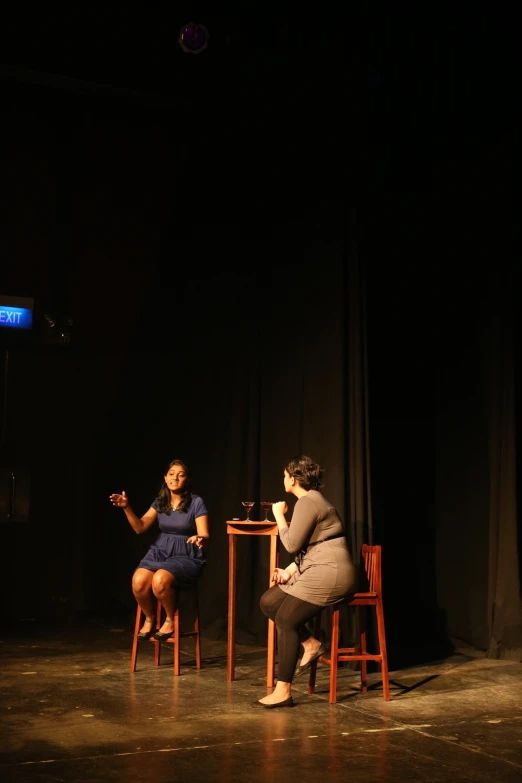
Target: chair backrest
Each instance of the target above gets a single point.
(371, 556)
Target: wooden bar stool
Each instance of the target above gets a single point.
(176, 636)
(371, 560)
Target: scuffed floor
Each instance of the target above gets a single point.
(71, 711)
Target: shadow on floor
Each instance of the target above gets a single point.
(72, 711)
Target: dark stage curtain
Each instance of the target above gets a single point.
(358, 401)
(237, 331)
(504, 597)
(478, 525)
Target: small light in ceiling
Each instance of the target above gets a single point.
(193, 38)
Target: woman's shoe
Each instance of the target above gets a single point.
(162, 636)
(323, 649)
(286, 703)
(145, 636)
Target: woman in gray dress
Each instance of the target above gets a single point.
(321, 574)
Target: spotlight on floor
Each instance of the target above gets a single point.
(193, 38)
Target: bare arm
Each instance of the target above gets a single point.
(203, 532)
(138, 524)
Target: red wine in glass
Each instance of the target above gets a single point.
(267, 505)
(248, 505)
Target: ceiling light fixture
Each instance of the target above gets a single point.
(193, 38)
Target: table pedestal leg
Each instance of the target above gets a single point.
(231, 639)
(270, 666)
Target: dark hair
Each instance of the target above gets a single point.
(164, 497)
(307, 472)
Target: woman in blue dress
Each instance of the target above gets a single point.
(176, 557)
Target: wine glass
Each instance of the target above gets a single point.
(248, 505)
(267, 505)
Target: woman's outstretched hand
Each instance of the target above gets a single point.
(280, 576)
(197, 540)
(122, 501)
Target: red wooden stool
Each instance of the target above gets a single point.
(371, 558)
(176, 636)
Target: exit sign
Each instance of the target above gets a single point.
(16, 312)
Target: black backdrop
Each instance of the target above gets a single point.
(197, 238)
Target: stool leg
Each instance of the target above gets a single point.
(157, 648)
(196, 629)
(176, 634)
(364, 664)
(334, 655)
(313, 667)
(134, 653)
(382, 651)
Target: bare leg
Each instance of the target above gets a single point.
(163, 588)
(142, 589)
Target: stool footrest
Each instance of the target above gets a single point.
(182, 634)
(371, 563)
(174, 639)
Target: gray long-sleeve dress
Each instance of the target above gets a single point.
(326, 572)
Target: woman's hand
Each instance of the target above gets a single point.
(122, 501)
(279, 508)
(197, 540)
(280, 576)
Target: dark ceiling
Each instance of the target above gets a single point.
(136, 52)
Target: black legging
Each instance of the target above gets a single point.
(290, 615)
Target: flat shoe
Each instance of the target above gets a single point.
(286, 703)
(162, 636)
(323, 649)
(143, 637)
